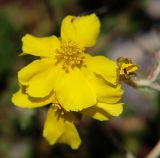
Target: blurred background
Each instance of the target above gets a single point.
(130, 28)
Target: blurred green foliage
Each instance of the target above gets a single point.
(7, 46)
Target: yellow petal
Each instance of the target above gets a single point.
(40, 46)
(83, 30)
(129, 68)
(74, 91)
(105, 92)
(43, 83)
(22, 100)
(60, 129)
(103, 66)
(37, 66)
(103, 111)
(112, 109)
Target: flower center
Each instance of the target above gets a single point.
(71, 54)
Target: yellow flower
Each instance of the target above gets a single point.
(70, 80)
(66, 69)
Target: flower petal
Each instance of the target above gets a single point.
(112, 109)
(74, 91)
(103, 111)
(37, 66)
(43, 83)
(40, 46)
(129, 68)
(60, 129)
(105, 92)
(103, 66)
(83, 30)
(22, 100)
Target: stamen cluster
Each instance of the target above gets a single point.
(71, 54)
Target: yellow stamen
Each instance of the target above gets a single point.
(71, 54)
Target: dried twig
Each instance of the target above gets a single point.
(155, 152)
(147, 83)
(150, 80)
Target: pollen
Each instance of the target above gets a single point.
(70, 54)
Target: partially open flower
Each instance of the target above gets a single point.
(126, 68)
